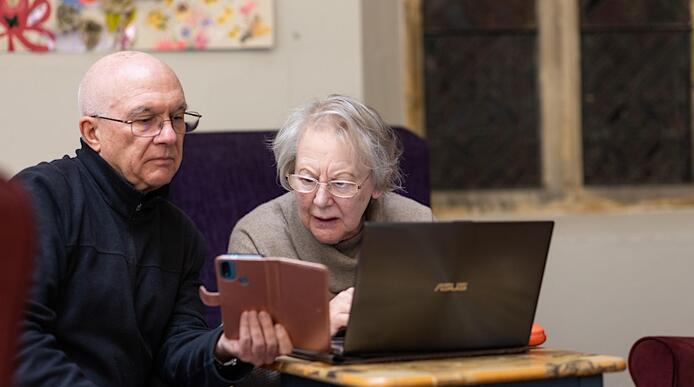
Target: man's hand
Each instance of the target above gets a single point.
(340, 307)
(260, 341)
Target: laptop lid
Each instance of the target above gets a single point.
(447, 286)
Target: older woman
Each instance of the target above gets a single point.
(341, 162)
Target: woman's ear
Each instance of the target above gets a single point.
(376, 194)
(90, 135)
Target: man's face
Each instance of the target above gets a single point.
(147, 163)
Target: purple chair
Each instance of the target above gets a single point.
(225, 175)
(666, 361)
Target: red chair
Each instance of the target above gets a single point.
(16, 239)
(662, 361)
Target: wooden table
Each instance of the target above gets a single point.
(538, 367)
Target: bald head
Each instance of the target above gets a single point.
(133, 87)
(108, 78)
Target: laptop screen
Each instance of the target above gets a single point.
(447, 286)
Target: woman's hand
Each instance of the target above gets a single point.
(260, 341)
(340, 307)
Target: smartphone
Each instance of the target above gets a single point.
(294, 293)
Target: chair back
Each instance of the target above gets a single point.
(225, 175)
(16, 239)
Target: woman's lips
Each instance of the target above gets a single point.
(324, 222)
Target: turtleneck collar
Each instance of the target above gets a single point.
(118, 193)
(351, 245)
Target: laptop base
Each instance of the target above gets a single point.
(365, 358)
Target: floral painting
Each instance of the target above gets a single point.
(206, 24)
(155, 25)
(24, 25)
(90, 25)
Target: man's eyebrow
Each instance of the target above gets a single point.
(146, 109)
(180, 109)
(141, 110)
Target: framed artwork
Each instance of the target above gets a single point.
(25, 25)
(149, 25)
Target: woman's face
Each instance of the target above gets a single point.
(325, 157)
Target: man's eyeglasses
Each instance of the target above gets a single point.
(339, 188)
(151, 127)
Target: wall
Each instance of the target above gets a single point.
(614, 277)
(318, 50)
(383, 34)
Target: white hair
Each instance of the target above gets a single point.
(375, 143)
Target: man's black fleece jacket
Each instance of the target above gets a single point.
(114, 300)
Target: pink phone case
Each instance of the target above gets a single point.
(294, 292)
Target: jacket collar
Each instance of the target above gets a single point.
(117, 192)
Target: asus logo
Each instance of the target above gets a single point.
(451, 287)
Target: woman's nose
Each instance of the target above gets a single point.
(322, 197)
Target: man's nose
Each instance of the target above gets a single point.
(167, 133)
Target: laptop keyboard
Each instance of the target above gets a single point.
(337, 345)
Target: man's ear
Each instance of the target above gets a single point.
(90, 135)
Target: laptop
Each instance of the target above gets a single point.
(442, 289)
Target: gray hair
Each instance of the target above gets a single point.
(375, 143)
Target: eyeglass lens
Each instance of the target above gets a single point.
(152, 127)
(305, 184)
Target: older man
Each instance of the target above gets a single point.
(114, 301)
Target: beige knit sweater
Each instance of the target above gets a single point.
(274, 229)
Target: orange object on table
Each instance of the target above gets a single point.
(537, 335)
